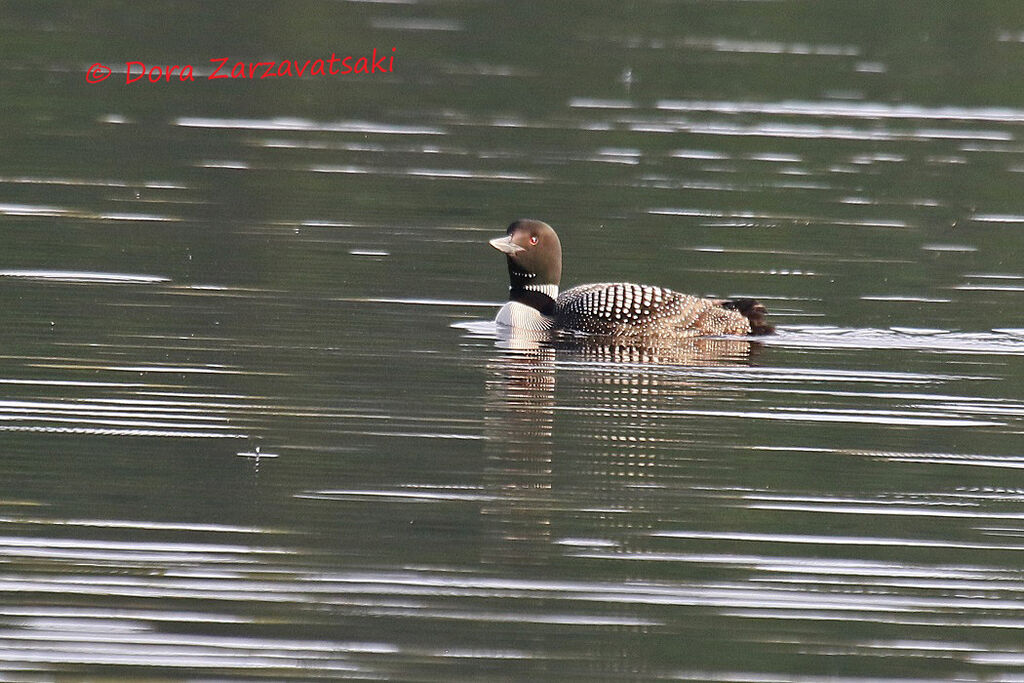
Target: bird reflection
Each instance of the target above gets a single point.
(567, 464)
(696, 352)
(655, 349)
(519, 425)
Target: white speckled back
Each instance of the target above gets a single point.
(626, 309)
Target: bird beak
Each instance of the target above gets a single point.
(505, 245)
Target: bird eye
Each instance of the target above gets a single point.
(533, 239)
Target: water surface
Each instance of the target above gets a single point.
(255, 423)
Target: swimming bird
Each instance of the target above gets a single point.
(614, 309)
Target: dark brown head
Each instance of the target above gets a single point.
(534, 254)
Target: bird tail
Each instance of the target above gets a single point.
(752, 310)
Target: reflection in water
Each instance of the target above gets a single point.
(998, 341)
(653, 351)
(696, 352)
(626, 444)
(625, 398)
(519, 426)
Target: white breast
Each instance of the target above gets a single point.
(522, 317)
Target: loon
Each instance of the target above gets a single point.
(614, 309)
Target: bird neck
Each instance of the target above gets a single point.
(541, 297)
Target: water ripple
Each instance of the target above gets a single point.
(296, 124)
(83, 277)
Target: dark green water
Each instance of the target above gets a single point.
(254, 423)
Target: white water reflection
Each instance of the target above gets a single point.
(83, 277)
(866, 110)
(296, 124)
(927, 341)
